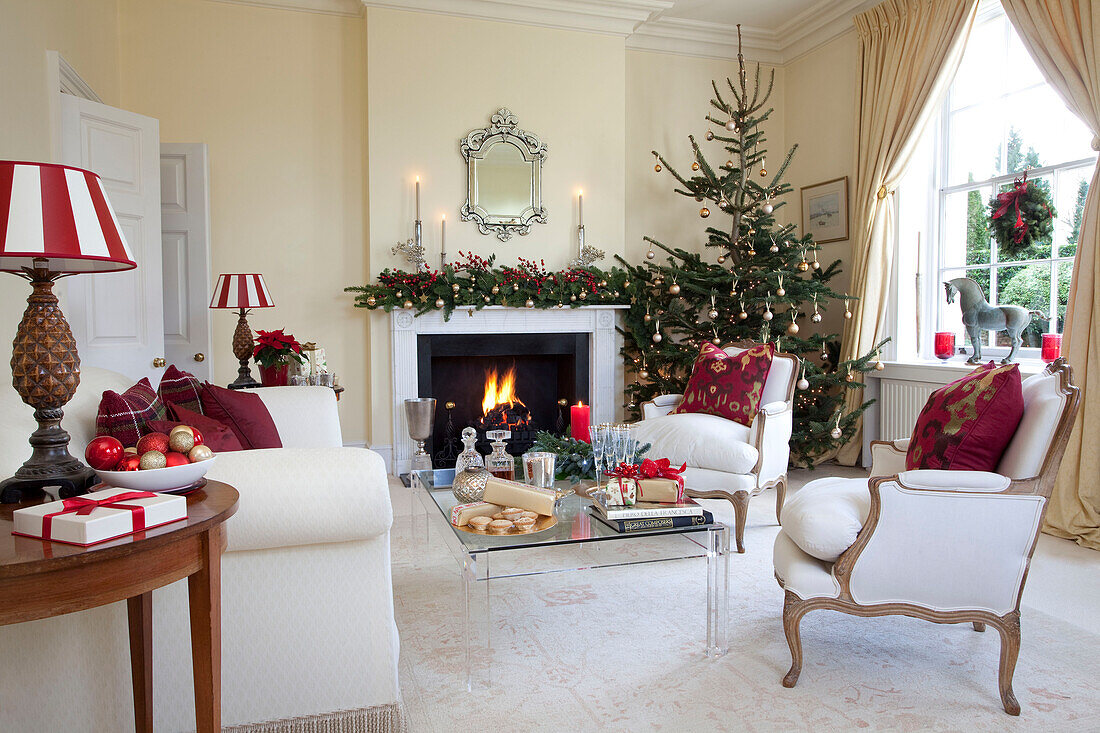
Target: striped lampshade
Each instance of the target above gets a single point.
(60, 214)
(241, 290)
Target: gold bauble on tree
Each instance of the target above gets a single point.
(439, 303)
(704, 212)
(674, 289)
(792, 329)
(372, 301)
(695, 165)
(803, 266)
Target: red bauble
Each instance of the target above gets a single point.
(153, 441)
(198, 436)
(103, 453)
(132, 462)
(174, 458)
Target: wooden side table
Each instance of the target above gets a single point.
(40, 579)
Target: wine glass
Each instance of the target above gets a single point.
(631, 448)
(600, 439)
(619, 443)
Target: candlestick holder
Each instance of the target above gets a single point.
(413, 249)
(420, 416)
(586, 255)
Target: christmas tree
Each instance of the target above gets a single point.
(766, 284)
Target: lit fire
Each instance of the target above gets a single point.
(500, 390)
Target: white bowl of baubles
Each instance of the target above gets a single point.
(158, 462)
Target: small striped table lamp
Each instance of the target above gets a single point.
(242, 291)
(54, 221)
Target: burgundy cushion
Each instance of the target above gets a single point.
(219, 437)
(968, 424)
(728, 386)
(180, 388)
(124, 416)
(244, 413)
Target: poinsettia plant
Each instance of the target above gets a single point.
(275, 347)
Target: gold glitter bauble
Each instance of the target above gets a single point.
(439, 302)
(781, 292)
(582, 295)
(372, 301)
(515, 287)
(647, 318)
(763, 172)
(849, 377)
(792, 329)
(456, 287)
(721, 259)
(742, 315)
(847, 314)
(657, 168)
(774, 248)
(751, 252)
(879, 366)
(408, 305)
(643, 374)
(495, 290)
(704, 212)
(674, 289)
(803, 266)
(572, 298)
(712, 314)
(530, 303)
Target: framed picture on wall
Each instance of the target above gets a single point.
(825, 210)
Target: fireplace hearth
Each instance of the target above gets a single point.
(489, 382)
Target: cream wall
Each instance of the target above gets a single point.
(86, 35)
(279, 98)
(667, 99)
(432, 79)
(821, 109)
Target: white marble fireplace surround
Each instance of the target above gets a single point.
(605, 369)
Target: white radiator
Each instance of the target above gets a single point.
(900, 401)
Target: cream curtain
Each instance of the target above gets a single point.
(909, 51)
(1063, 36)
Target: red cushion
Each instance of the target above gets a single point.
(219, 437)
(244, 413)
(180, 388)
(968, 424)
(728, 386)
(124, 416)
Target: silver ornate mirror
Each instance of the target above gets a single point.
(504, 177)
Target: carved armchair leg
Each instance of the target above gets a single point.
(780, 497)
(979, 626)
(740, 501)
(794, 608)
(1010, 650)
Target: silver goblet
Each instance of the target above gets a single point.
(420, 416)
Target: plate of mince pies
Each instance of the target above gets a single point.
(509, 521)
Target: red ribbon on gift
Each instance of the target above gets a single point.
(1011, 198)
(663, 469)
(81, 505)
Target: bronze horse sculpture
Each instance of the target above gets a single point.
(978, 315)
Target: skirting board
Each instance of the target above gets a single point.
(386, 451)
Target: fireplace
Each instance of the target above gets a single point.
(599, 384)
(522, 383)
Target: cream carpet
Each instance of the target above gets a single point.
(621, 649)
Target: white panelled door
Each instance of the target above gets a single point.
(117, 317)
(185, 256)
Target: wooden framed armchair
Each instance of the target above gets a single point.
(944, 546)
(725, 459)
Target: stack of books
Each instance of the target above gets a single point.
(649, 515)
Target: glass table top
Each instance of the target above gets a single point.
(576, 522)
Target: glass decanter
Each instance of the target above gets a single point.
(469, 458)
(499, 463)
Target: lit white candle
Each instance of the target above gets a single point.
(580, 208)
(443, 234)
(418, 198)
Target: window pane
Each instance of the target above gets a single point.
(1072, 187)
(1040, 247)
(975, 148)
(951, 313)
(966, 228)
(985, 50)
(1027, 286)
(1043, 123)
(1064, 271)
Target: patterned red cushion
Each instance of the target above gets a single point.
(244, 413)
(180, 388)
(968, 424)
(728, 386)
(124, 416)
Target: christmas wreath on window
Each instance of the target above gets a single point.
(1021, 216)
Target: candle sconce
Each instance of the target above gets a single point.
(585, 255)
(413, 249)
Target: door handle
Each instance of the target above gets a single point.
(159, 363)
(200, 356)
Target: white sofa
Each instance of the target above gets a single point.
(725, 459)
(309, 640)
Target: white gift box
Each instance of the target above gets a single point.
(621, 492)
(78, 521)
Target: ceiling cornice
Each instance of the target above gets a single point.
(818, 25)
(325, 7)
(612, 17)
(707, 40)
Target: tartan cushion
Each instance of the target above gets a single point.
(124, 416)
(180, 388)
(967, 425)
(728, 386)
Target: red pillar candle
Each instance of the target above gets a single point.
(945, 344)
(1052, 346)
(578, 422)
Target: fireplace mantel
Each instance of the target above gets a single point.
(598, 321)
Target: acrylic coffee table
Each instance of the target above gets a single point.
(481, 558)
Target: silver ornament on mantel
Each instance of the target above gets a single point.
(469, 484)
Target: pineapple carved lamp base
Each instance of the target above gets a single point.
(45, 370)
(243, 345)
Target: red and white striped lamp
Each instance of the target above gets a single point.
(242, 291)
(55, 220)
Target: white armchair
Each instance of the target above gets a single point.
(944, 546)
(727, 460)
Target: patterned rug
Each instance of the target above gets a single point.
(621, 649)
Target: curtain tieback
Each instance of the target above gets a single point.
(1096, 143)
(883, 192)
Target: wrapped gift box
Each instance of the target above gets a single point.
(99, 516)
(660, 489)
(622, 492)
